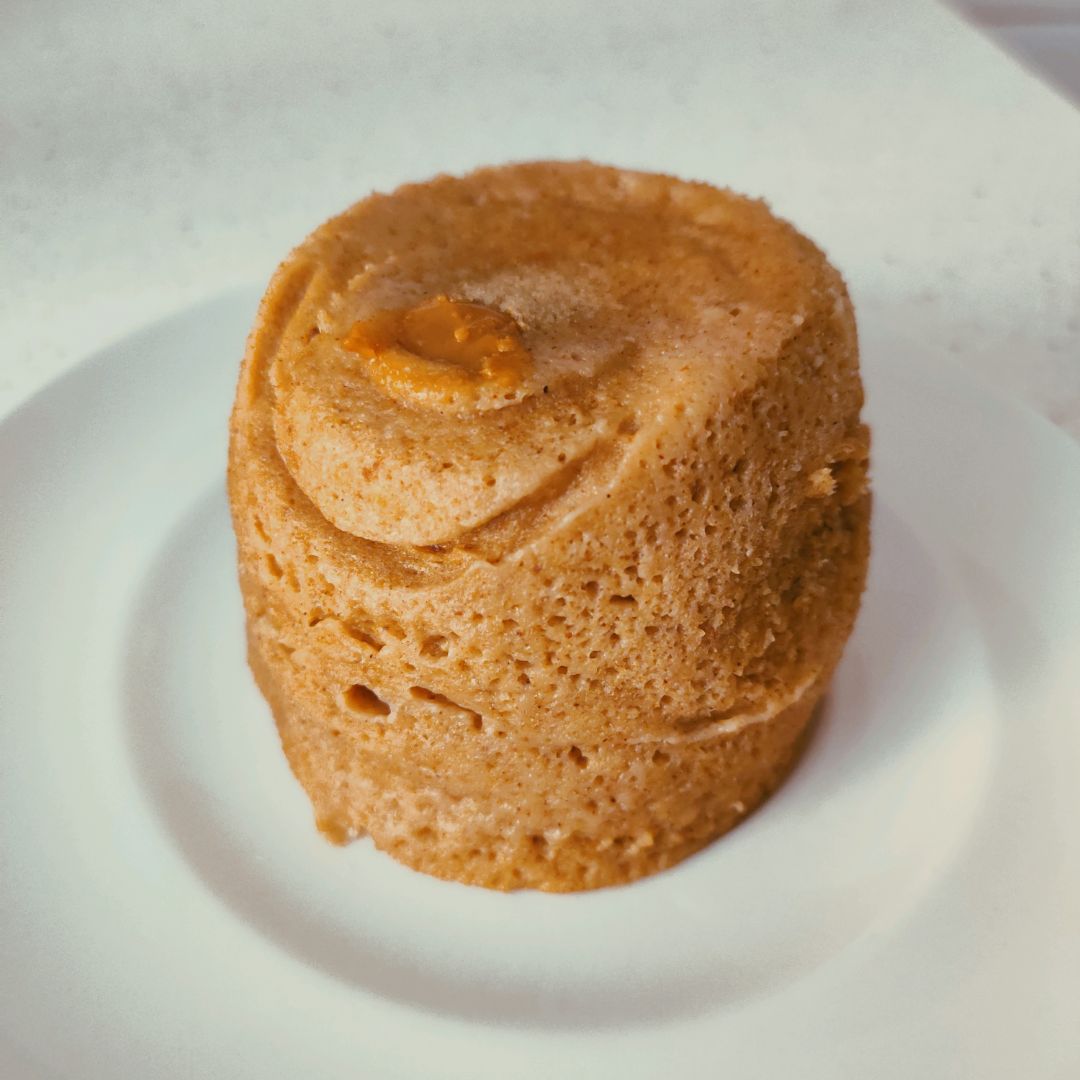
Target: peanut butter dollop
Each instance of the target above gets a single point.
(442, 348)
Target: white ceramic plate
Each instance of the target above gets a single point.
(906, 906)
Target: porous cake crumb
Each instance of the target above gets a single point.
(549, 487)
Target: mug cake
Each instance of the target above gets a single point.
(550, 492)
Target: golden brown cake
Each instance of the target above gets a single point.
(549, 487)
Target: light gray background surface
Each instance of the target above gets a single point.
(153, 155)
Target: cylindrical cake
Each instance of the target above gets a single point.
(550, 493)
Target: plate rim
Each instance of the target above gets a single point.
(24, 413)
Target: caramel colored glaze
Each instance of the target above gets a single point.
(446, 348)
(557, 631)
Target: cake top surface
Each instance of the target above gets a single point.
(469, 341)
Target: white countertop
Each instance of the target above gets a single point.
(155, 155)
